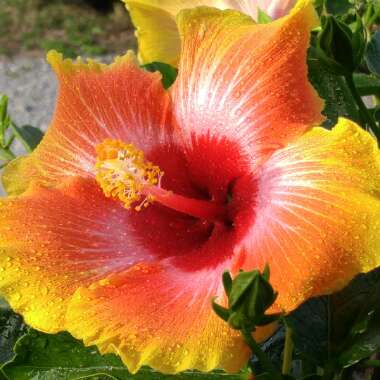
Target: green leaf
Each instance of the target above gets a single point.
(169, 73)
(376, 5)
(29, 136)
(61, 357)
(338, 7)
(359, 41)
(266, 273)
(6, 154)
(220, 311)
(227, 282)
(367, 84)
(4, 118)
(262, 17)
(348, 305)
(11, 329)
(333, 89)
(240, 286)
(319, 6)
(372, 55)
(335, 46)
(356, 320)
(310, 329)
(3, 107)
(342, 329)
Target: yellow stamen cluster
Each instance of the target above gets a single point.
(122, 172)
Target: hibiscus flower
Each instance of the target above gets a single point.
(119, 225)
(157, 31)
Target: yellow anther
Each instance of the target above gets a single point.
(122, 172)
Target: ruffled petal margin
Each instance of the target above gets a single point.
(245, 82)
(95, 102)
(70, 262)
(159, 316)
(54, 241)
(318, 213)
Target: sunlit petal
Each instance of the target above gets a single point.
(157, 31)
(95, 101)
(244, 82)
(318, 213)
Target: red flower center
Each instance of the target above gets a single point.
(194, 206)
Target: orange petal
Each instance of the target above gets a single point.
(56, 240)
(156, 28)
(244, 81)
(318, 213)
(157, 31)
(159, 316)
(95, 101)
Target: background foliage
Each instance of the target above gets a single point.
(75, 27)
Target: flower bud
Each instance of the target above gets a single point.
(249, 296)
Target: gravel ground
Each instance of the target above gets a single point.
(31, 87)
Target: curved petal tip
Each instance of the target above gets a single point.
(67, 65)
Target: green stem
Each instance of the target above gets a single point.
(366, 117)
(371, 363)
(288, 351)
(6, 154)
(367, 14)
(261, 356)
(372, 19)
(10, 142)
